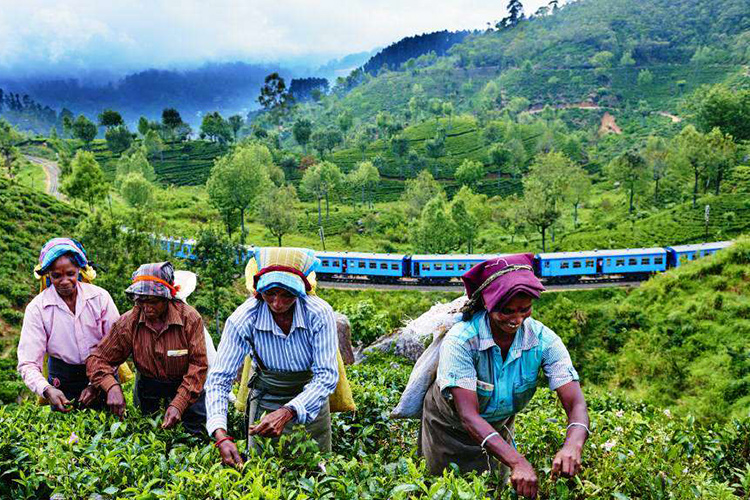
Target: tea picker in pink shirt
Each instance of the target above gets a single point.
(65, 321)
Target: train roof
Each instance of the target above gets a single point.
(360, 255)
(602, 253)
(716, 245)
(479, 257)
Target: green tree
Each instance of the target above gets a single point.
(171, 120)
(436, 108)
(153, 144)
(729, 110)
(134, 163)
(302, 130)
(419, 191)
(627, 58)
(515, 15)
(84, 129)
(136, 190)
(345, 122)
(690, 150)
(143, 126)
(501, 158)
(235, 123)
(656, 155)
(400, 149)
(722, 156)
(435, 231)
(365, 178)
(470, 173)
(645, 78)
(321, 180)
(579, 189)
(448, 111)
(544, 189)
(110, 118)
(631, 170)
(9, 154)
(469, 212)
(216, 128)
(277, 210)
(86, 181)
(118, 138)
(275, 97)
(326, 140)
(238, 178)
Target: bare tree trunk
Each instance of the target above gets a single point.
(242, 225)
(320, 216)
(544, 240)
(695, 189)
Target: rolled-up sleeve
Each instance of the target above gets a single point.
(324, 368)
(556, 363)
(31, 350)
(456, 367)
(192, 382)
(231, 353)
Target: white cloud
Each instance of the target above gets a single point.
(46, 36)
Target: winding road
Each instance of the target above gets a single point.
(52, 171)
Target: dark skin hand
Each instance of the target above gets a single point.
(273, 424)
(567, 462)
(88, 395)
(230, 455)
(116, 401)
(171, 417)
(57, 399)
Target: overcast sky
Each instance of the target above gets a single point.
(66, 36)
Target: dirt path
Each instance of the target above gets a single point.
(609, 125)
(674, 118)
(52, 171)
(577, 105)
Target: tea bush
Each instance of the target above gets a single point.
(635, 451)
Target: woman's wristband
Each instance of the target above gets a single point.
(578, 424)
(487, 438)
(221, 440)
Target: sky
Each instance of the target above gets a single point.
(45, 37)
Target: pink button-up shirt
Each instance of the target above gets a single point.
(49, 327)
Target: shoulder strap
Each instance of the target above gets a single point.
(256, 355)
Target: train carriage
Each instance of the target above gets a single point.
(570, 266)
(375, 266)
(682, 254)
(445, 267)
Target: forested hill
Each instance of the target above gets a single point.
(589, 50)
(412, 47)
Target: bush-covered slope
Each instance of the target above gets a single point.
(636, 451)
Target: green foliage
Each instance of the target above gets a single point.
(729, 110)
(469, 173)
(86, 181)
(136, 190)
(419, 191)
(277, 210)
(9, 154)
(110, 118)
(118, 138)
(84, 129)
(216, 128)
(436, 232)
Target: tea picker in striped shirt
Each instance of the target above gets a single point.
(291, 335)
(165, 337)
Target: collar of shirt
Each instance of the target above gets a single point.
(265, 321)
(173, 317)
(50, 297)
(524, 340)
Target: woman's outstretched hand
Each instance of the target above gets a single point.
(523, 479)
(273, 424)
(567, 462)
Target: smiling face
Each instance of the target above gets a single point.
(64, 276)
(279, 300)
(511, 315)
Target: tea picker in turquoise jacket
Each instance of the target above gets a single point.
(488, 371)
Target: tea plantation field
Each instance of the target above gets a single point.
(636, 451)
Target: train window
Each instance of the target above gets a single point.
(609, 262)
(373, 265)
(695, 255)
(645, 261)
(324, 263)
(589, 263)
(658, 260)
(394, 267)
(425, 267)
(335, 263)
(438, 267)
(361, 264)
(564, 265)
(383, 265)
(462, 267)
(576, 264)
(683, 258)
(450, 267)
(546, 265)
(619, 262)
(632, 261)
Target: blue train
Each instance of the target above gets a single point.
(552, 268)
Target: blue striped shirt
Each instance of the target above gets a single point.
(310, 345)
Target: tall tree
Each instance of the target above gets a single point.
(277, 210)
(729, 110)
(275, 97)
(134, 163)
(171, 119)
(216, 128)
(419, 191)
(544, 189)
(722, 154)
(9, 153)
(656, 155)
(153, 144)
(118, 138)
(435, 231)
(365, 178)
(84, 129)
(631, 170)
(470, 172)
(326, 140)
(515, 15)
(469, 212)
(110, 118)
(400, 149)
(689, 148)
(86, 181)
(579, 189)
(237, 178)
(321, 180)
(302, 130)
(136, 190)
(235, 123)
